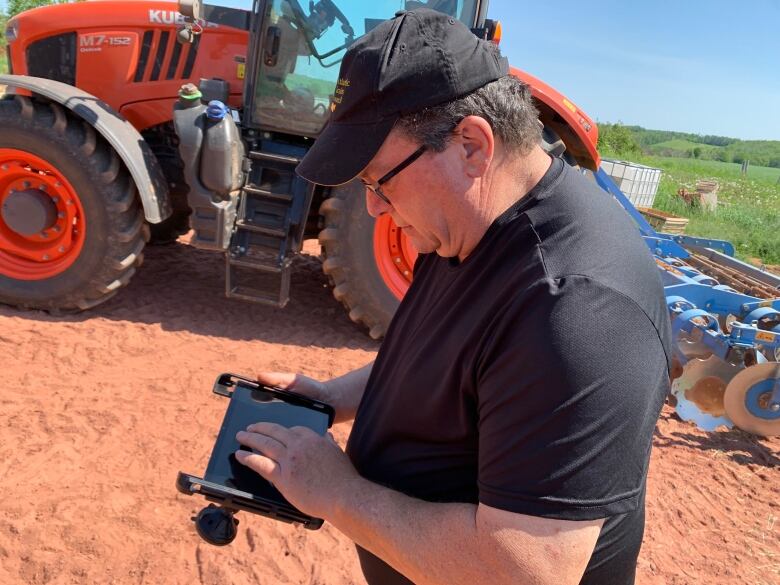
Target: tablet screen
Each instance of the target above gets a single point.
(249, 406)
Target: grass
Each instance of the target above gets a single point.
(714, 169)
(3, 62)
(748, 213)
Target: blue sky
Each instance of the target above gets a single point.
(709, 67)
(703, 66)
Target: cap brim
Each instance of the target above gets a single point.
(342, 151)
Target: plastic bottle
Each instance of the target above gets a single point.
(220, 161)
(188, 119)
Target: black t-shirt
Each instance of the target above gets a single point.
(530, 376)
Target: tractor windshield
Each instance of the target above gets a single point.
(301, 50)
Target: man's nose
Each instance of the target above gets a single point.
(374, 205)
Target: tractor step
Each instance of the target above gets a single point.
(268, 194)
(261, 229)
(269, 227)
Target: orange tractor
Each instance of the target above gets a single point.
(106, 143)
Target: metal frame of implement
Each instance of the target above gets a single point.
(718, 306)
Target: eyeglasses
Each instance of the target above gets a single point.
(376, 188)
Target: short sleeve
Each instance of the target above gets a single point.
(570, 385)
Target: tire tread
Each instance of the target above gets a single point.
(126, 229)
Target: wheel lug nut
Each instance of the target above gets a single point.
(398, 260)
(56, 228)
(55, 199)
(61, 249)
(44, 235)
(45, 256)
(4, 167)
(61, 214)
(26, 184)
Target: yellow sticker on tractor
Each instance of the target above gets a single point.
(241, 70)
(765, 336)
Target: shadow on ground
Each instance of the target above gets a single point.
(739, 446)
(183, 289)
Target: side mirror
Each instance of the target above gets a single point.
(192, 10)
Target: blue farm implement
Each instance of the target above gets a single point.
(726, 329)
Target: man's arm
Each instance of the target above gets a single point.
(346, 392)
(443, 543)
(464, 543)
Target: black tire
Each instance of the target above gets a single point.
(115, 229)
(347, 242)
(164, 143)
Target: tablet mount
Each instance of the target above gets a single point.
(216, 525)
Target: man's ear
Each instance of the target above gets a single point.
(478, 144)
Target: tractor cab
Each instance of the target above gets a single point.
(295, 61)
(239, 165)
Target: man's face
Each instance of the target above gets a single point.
(426, 198)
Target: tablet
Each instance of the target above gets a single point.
(234, 485)
(247, 406)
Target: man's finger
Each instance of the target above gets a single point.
(264, 466)
(280, 379)
(272, 430)
(266, 445)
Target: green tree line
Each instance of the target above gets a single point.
(620, 140)
(14, 7)
(647, 137)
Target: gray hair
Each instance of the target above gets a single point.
(505, 104)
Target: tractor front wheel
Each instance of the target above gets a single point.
(72, 230)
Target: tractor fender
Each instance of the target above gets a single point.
(120, 134)
(578, 132)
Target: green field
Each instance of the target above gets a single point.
(3, 63)
(748, 212)
(715, 169)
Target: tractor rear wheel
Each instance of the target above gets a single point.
(72, 230)
(369, 262)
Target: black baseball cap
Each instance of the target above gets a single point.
(418, 59)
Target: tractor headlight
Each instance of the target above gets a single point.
(12, 31)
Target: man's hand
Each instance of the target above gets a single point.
(295, 383)
(343, 393)
(311, 471)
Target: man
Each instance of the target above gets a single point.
(503, 433)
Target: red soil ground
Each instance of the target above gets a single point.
(101, 410)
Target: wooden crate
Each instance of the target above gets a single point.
(663, 221)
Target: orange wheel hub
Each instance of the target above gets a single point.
(42, 223)
(395, 256)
